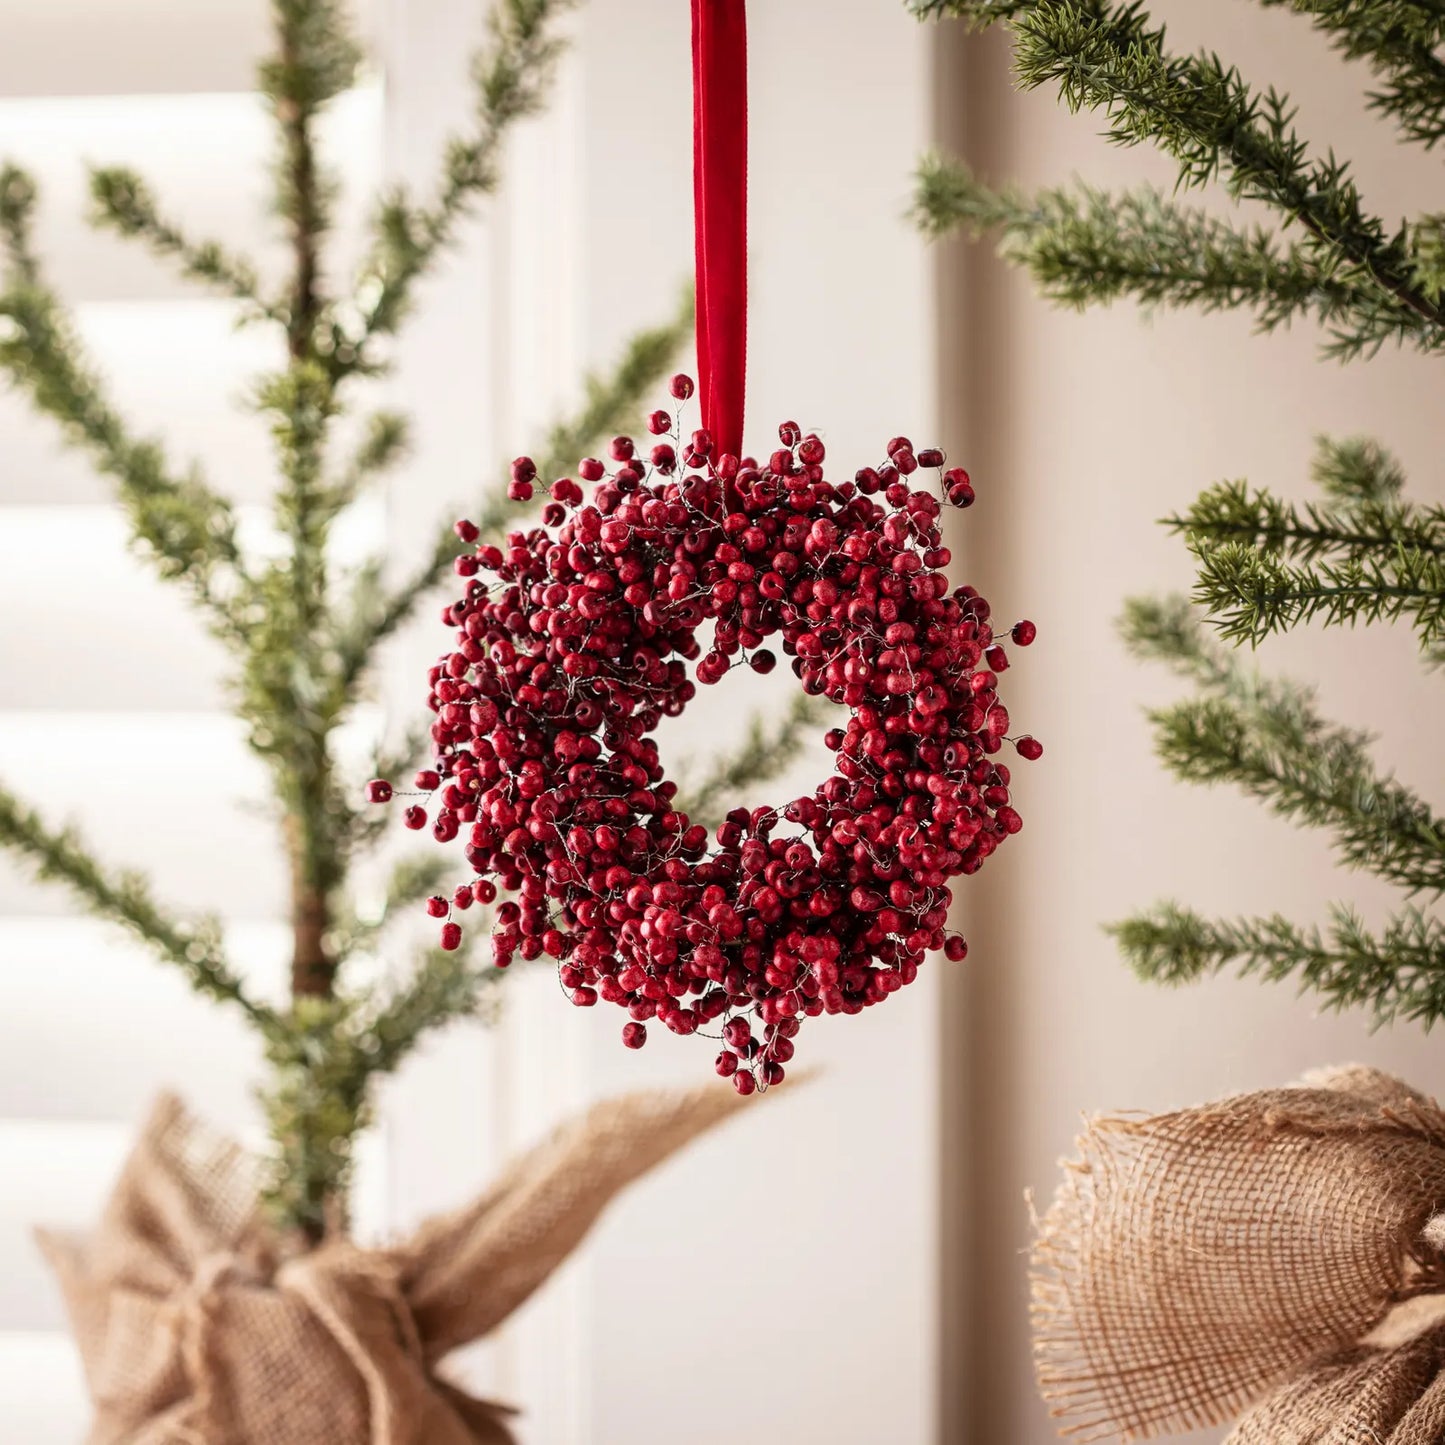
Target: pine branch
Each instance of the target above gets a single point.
(1084, 246)
(316, 60)
(1249, 594)
(1233, 512)
(1266, 737)
(446, 987)
(1399, 973)
(1168, 630)
(124, 203)
(188, 529)
(17, 208)
(317, 1101)
(976, 14)
(766, 753)
(612, 403)
(511, 77)
(57, 855)
(1108, 57)
(1400, 40)
(1266, 565)
(1355, 470)
(385, 442)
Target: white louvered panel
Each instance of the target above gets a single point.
(175, 794)
(207, 157)
(63, 1054)
(101, 629)
(179, 371)
(42, 1389)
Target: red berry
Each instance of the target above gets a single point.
(414, 817)
(1030, 748)
(591, 470)
(467, 531)
(451, 936)
(681, 386)
(634, 1035)
(436, 905)
(378, 790)
(954, 948)
(659, 423)
(744, 1082)
(930, 457)
(1023, 632)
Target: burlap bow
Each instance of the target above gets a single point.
(1279, 1253)
(194, 1331)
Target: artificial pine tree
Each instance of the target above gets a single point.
(1363, 552)
(301, 633)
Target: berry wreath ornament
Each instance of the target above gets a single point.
(573, 641)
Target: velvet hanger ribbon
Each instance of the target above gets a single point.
(720, 203)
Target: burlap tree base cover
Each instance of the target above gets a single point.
(195, 1331)
(1277, 1259)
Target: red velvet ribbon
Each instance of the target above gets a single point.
(720, 208)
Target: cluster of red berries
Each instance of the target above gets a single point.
(578, 643)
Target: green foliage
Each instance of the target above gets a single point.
(186, 529)
(1087, 247)
(1268, 738)
(124, 204)
(1364, 555)
(195, 947)
(1398, 972)
(1400, 40)
(1369, 283)
(1362, 552)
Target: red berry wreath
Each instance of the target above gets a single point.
(577, 643)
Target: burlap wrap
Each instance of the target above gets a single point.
(1278, 1253)
(193, 1330)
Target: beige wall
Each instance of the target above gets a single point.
(1081, 430)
